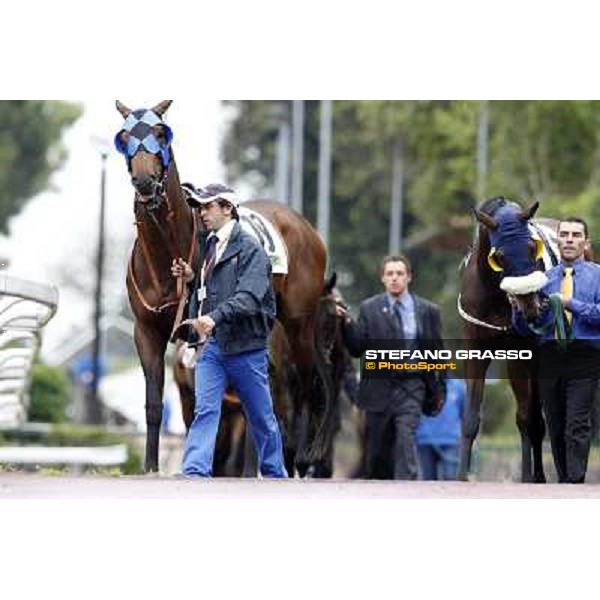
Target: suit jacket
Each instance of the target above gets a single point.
(377, 322)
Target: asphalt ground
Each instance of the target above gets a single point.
(33, 486)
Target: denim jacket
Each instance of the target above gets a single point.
(239, 295)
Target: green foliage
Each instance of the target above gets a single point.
(66, 434)
(30, 149)
(69, 435)
(50, 393)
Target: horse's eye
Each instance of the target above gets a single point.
(159, 132)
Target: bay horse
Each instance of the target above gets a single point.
(165, 230)
(166, 227)
(505, 258)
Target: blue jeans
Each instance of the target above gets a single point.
(438, 462)
(247, 372)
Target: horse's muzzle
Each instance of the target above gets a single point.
(146, 187)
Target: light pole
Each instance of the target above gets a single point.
(278, 114)
(94, 412)
(395, 235)
(482, 149)
(298, 153)
(324, 181)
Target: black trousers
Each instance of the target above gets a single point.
(391, 449)
(567, 404)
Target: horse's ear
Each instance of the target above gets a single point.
(527, 213)
(122, 109)
(485, 219)
(330, 284)
(161, 108)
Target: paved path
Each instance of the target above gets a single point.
(18, 485)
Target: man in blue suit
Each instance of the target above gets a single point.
(235, 314)
(394, 405)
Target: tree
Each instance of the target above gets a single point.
(30, 149)
(363, 136)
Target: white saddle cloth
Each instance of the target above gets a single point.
(270, 239)
(551, 238)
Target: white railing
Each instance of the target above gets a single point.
(25, 308)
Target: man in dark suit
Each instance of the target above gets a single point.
(393, 406)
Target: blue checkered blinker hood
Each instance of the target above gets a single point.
(139, 124)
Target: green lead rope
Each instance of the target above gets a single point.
(558, 324)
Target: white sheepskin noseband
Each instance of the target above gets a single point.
(526, 284)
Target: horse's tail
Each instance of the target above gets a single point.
(326, 402)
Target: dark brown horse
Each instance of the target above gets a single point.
(504, 257)
(166, 231)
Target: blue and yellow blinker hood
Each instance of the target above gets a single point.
(513, 236)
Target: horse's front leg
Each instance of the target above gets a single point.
(475, 371)
(536, 428)
(151, 350)
(521, 389)
(530, 422)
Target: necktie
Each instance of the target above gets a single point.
(398, 313)
(210, 254)
(566, 289)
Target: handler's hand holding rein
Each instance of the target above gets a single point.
(341, 310)
(203, 325)
(179, 268)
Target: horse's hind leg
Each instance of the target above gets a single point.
(185, 385)
(475, 374)
(250, 464)
(151, 350)
(300, 336)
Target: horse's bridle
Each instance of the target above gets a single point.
(170, 243)
(158, 195)
(475, 321)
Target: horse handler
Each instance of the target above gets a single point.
(568, 376)
(236, 311)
